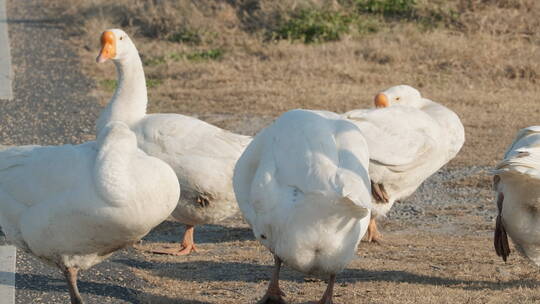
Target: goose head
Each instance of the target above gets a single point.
(115, 45)
(400, 94)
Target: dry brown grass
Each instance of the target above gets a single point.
(485, 64)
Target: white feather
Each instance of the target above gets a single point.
(75, 205)
(302, 185)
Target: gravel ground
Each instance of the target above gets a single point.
(456, 200)
(52, 103)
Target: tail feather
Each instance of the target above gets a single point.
(500, 240)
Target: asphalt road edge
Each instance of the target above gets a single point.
(6, 91)
(8, 258)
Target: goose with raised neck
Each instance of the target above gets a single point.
(201, 155)
(129, 101)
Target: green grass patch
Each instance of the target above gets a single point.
(151, 83)
(185, 36)
(204, 55)
(313, 25)
(108, 84)
(317, 26)
(402, 8)
(153, 61)
(213, 54)
(111, 84)
(426, 16)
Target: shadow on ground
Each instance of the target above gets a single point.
(209, 271)
(44, 283)
(172, 232)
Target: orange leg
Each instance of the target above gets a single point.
(71, 278)
(188, 245)
(374, 236)
(327, 296)
(274, 295)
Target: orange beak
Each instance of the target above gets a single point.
(108, 47)
(381, 101)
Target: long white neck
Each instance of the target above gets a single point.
(130, 99)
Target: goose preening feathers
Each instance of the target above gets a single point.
(201, 155)
(73, 206)
(409, 139)
(303, 186)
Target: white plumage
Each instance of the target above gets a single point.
(409, 139)
(517, 182)
(72, 206)
(202, 155)
(303, 186)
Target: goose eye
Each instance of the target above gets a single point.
(398, 98)
(121, 38)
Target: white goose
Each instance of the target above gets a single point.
(73, 206)
(202, 155)
(409, 139)
(303, 186)
(517, 182)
